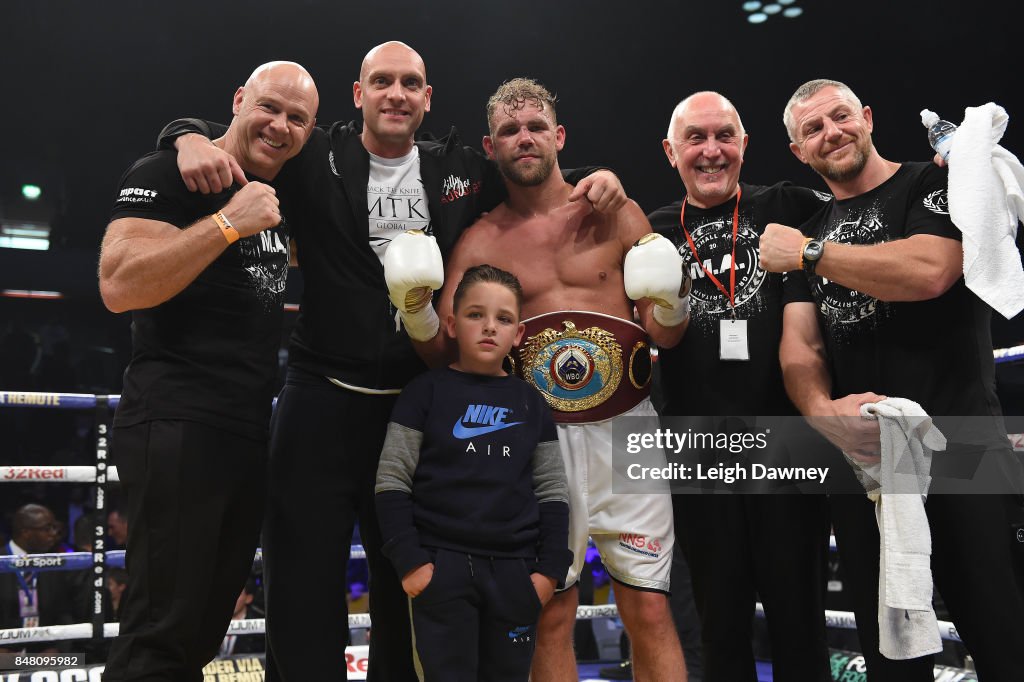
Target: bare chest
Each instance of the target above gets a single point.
(560, 269)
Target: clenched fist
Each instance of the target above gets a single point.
(254, 208)
(781, 248)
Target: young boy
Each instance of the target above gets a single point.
(471, 496)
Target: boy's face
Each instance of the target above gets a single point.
(485, 326)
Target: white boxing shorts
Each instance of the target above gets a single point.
(633, 532)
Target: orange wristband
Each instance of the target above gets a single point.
(807, 240)
(226, 228)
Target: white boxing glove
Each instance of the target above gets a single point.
(654, 269)
(413, 270)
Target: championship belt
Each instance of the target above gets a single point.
(588, 366)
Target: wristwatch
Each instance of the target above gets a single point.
(811, 254)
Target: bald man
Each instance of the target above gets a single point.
(349, 193)
(738, 546)
(204, 277)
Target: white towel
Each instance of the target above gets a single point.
(907, 626)
(986, 200)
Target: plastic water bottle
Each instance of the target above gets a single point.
(940, 133)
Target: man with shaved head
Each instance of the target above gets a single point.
(354, 188)
(204, 277)
(738, 546)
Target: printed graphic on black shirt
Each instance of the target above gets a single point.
(456, 187)
(937, 202)
(714, 246)
(136, 195)
(840, 305)
(267, 275)
(482, 419)
(695, 380)
(865, 220)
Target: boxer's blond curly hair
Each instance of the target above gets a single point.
(517, 93)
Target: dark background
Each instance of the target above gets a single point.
(89, 85)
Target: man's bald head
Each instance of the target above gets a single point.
(705, 144)
(393, 94)
(290, 76)
(275, 112)
(704, 99)
(391, 48)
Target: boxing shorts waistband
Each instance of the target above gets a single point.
(588, 366)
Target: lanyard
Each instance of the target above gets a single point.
(731, 293)
(24, 579)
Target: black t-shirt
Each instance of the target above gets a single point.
(694, 380)
(936, 352)
(209, 354)
(473, 486)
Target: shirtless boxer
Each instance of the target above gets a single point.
(571, 260)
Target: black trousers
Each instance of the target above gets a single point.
(740, 547)
(476, 621)
(976, 571)
(194, 496)
(325, 443)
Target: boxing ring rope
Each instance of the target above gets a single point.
(61, 474)
(76, 561)
(843, 620)
(1012, 354)
(102, 474)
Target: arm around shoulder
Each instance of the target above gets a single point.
(182, 126)
(601, 187)
(204, 167)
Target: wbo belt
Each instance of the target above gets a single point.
(588, 366)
